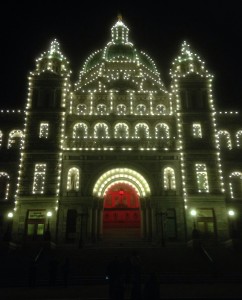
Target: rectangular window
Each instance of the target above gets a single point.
(202, 178)
(196, 130)
(39, 178)
(44, 130)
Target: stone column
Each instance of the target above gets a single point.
(153, 224)
(148, 231)
(143, 219)
(94, 230)
(90, 224)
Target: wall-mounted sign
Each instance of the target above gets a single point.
(37, 214)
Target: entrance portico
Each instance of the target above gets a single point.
(123, 207)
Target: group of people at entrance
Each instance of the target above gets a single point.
(124, 278)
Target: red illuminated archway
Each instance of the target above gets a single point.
(121, 213)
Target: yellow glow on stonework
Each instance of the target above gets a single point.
(121, 175)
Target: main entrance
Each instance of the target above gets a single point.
(121, 213)
(122, 190)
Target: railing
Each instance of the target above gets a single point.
(122, 144)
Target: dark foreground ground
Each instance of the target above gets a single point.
(182, 272)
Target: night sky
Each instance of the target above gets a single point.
(212, 28)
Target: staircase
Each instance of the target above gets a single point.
(175, 263)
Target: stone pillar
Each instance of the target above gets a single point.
(95, 216)
(99, 223)
(90, 224)
(148, 231)
(143, 220)
(153, 224)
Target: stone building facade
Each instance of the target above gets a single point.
(117, 155)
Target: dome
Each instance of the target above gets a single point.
(119, 61)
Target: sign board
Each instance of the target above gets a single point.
(37, 214)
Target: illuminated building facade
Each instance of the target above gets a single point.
(117, 155)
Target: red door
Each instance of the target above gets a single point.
(121, 214)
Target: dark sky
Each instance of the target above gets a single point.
(212, 28)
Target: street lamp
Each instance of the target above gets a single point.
(8, 234)
(195, 231)
(233, 231)
(47, 235)
(193, 213)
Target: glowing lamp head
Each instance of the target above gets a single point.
(193, 212)
(231, 213)
(49, 214)
(10, 215)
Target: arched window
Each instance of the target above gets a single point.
(239, 139)
(73, 178)
(197, 130)
(141, 130)
(79, 131)
(169, 179)
(4, 185)
(15, 139)
(162, 131)
(39, 178)
(44, 130)
(101, 131)
(202, 178)
(224, 140)
(102, 109)
(1, 138)
(235, 184)
(160, 109)
(140, 109)
(121, 131)
(81, 109)
(121, 109)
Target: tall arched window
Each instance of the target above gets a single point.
(239, 139)
(224, 139)
(121, 131)
(141, 130)
(162, 131)
(15, 139)
(235, 184)
(39, 178)
(169, 179)
(4, 185)
(80, 131)
(101, 131)
(202, 178)
(73, 179)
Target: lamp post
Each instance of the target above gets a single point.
(47, 235)
(233, 231)
(8, 234)
(194, 214)
(195, 231)
(161, 216)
